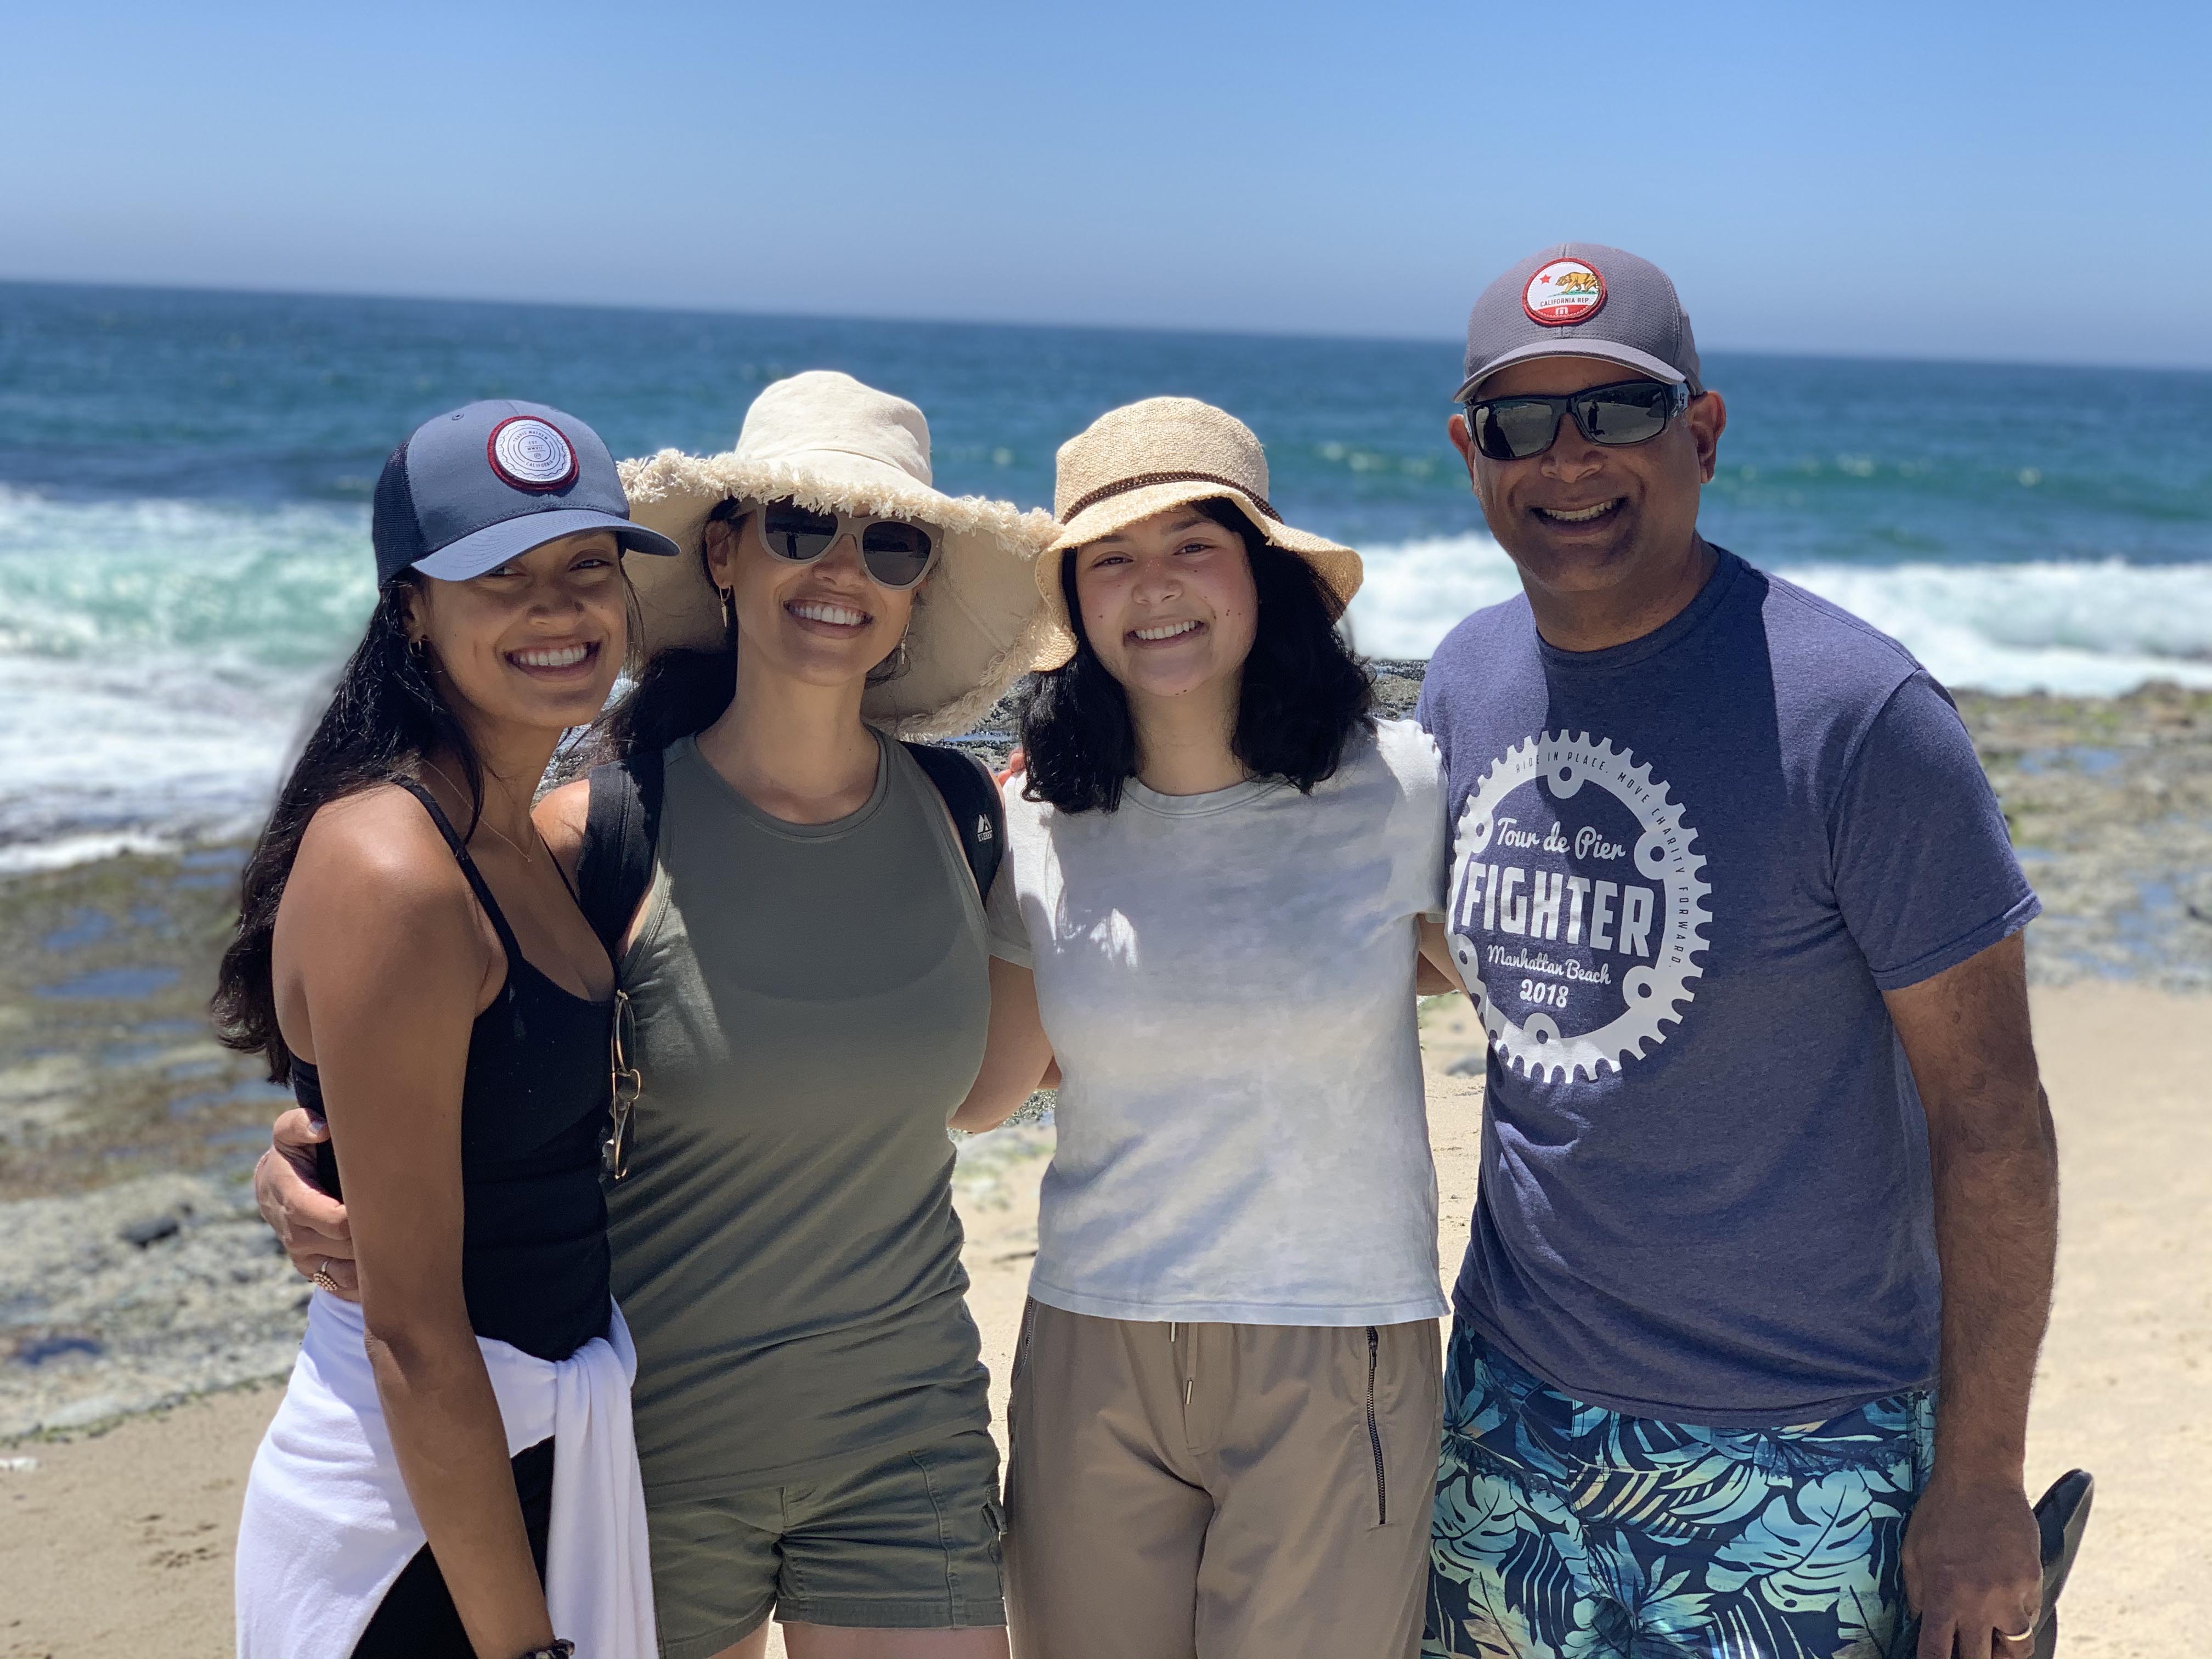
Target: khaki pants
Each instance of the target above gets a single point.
(1220, 1492)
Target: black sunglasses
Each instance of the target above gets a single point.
(897, 554)
(1626, 412)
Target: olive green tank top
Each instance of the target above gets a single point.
(811, 1003)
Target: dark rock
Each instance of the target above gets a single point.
(2197, 898)
(150, 1231)
(1468, 1066)
(38, 1349)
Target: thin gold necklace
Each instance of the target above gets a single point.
(481, 818)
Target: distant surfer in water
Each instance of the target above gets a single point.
(1762, 1253)
(451, 1472)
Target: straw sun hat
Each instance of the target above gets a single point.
(830, 444)
(1145, 457)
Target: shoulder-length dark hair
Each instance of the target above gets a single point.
(1302, 694)
(385, 716)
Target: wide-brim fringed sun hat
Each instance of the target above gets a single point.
(828, 443)
(1145, 457)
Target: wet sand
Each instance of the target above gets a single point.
(119, 1542)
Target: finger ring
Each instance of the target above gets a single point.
(322, 1276)
(2022, 1637)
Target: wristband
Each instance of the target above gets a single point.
(562, 1648)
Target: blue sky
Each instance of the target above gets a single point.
(2019, 181)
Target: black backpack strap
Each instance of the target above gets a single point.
(622, 827)
(971, 795)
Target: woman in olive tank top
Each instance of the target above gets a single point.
(807, 993)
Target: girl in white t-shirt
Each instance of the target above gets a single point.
(1226, 1397)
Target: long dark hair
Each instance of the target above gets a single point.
(686, 689)
(385, 716)
(1301, 695)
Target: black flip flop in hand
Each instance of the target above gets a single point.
(2061, 1514)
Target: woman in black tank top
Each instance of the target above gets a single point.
(533, 1113)
(434, 993)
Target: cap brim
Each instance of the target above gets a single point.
(496, 544)
(1568, 346)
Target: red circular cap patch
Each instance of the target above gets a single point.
(1564, 291)
(530, 453)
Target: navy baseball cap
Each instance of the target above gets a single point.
(470, 489)
(1582, 299)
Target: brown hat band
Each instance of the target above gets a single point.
(1146, 480)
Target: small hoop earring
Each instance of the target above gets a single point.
(420, 651)
(730, 612)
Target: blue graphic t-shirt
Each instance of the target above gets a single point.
(1684, 871)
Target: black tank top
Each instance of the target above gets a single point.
(533, 1109)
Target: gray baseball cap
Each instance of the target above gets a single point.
(486, 482)
(1582, 299)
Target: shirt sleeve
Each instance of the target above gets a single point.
(1924, 872)
(1008, 933)
(1424, 853)
(1426, 714)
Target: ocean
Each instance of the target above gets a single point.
(184, 481)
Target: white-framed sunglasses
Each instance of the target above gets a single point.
(896, 553)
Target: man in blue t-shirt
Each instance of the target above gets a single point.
(1762, 1253)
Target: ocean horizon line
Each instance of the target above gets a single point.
(1763, 353)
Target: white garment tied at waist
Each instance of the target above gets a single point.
(328, 1525)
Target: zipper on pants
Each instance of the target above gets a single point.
(1373, 1433)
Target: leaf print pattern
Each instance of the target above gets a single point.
(1563, 1531)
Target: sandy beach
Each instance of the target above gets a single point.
(119, 1542)
(143, 1307)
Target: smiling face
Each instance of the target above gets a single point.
(535, 643)
(1583, 518)
(1169, 604)
(823, 623)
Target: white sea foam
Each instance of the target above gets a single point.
(28, 856)
(158, 659)
(2093, 629)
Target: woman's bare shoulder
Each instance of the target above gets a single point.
(560, 815)
(376, 853)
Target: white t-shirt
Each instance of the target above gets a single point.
(1228, 981)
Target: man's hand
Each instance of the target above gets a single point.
(308, 1221)
(1972, 1569)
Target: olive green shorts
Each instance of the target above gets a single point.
(909, 1543)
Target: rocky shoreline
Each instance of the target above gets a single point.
(2109, 802)
(133, 1272)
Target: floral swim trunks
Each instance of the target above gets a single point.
(1565, 1531)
